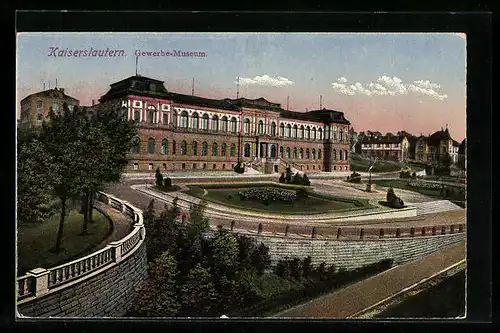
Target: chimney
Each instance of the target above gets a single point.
(61, 90)
(93, 102)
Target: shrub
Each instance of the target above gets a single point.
(167, 182)
(282, 178)
(306, 181)
(404, 174)
(354, 177)
(239, 168)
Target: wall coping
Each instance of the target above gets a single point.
(40, 282)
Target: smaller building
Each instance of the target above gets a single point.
(35, 107)
(433, 149)
(387, 147)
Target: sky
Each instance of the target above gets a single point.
(386, 82)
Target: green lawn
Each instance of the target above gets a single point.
(362, 165)
(229, 197)
(36, 241)
(403, 184)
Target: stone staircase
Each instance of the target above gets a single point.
(437, 206)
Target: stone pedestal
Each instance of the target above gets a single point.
(370, 187)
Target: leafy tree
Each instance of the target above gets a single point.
(246, 246)
(199, 224)
(158, 296)
(64, 140)
(198, 292)
(225, 253)
(260, 258)
(306, 267)
(295, 268)
(33, 181)
(306, 181)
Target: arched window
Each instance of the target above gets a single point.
(314, 154)
(327, 132)
(346, 154)
(214, 149)
(151, 116)
(320, 134)
(282, 130)
(308, 154)
(223, 149)
(196, 120)
(334, 133)
(295, 153)
(334, 154)
(215, 123)
(294, 131)
(261, 127)
(184, 119)
(204, 149)
(281, 152)
(340, 155)
(246, 150)
(287, 152)
(174, 119)
(273, 128)
(247, 126)
(224, 124)
(233, 149)
(314, 133)
(136, 148)
(273, 151)
(165, 118)
(174, 147)
(319, 154)
(341, 135)
(137, 115)
(233, 125)
(288, 131)
(194, 148)
(308, 133)
(204, 122)
(301, 132)
(151, 146)
(183, 148)
(164, 147)
(301, 153)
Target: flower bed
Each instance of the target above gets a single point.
(430, 185)
(268, 194)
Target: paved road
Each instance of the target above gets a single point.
(361, 295)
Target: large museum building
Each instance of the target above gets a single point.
(187, 132)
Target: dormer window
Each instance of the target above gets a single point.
(152, 87)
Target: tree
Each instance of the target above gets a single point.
(246, 246)
(33, 181)
(198, 224)
(225, 253)
(158, 296)
(288, 174)
(198, 292)
(63, 139)
(306, 267)
(260, 258)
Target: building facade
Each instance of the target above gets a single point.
(35, 107)
(431, 149)
(384, 147)
(186, 132)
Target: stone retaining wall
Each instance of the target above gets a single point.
(351, 254)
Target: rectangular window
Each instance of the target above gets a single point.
(150, 166)
(214, 166)
(136, 166)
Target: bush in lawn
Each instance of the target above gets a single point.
(159, 178)
(239, 168)
(392, 200)
(167, 182)
(307, 267)
(288, 174)
(306, 181)
(282, 178)
(414, 175)
(405, 174)
(354, 177)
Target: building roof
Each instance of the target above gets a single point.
(59, 93)
(383, 139)
(438, 136)
(136, 84)
(461, 148)
(201, 101)
(324, 115)
(258, 103)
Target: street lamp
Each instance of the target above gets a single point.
(369, 186)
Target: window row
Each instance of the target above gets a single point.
(185, 149)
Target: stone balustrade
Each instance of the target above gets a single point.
(41, 282)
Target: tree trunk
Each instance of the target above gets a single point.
(85, 204)
(91, 205)
(61, 225)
